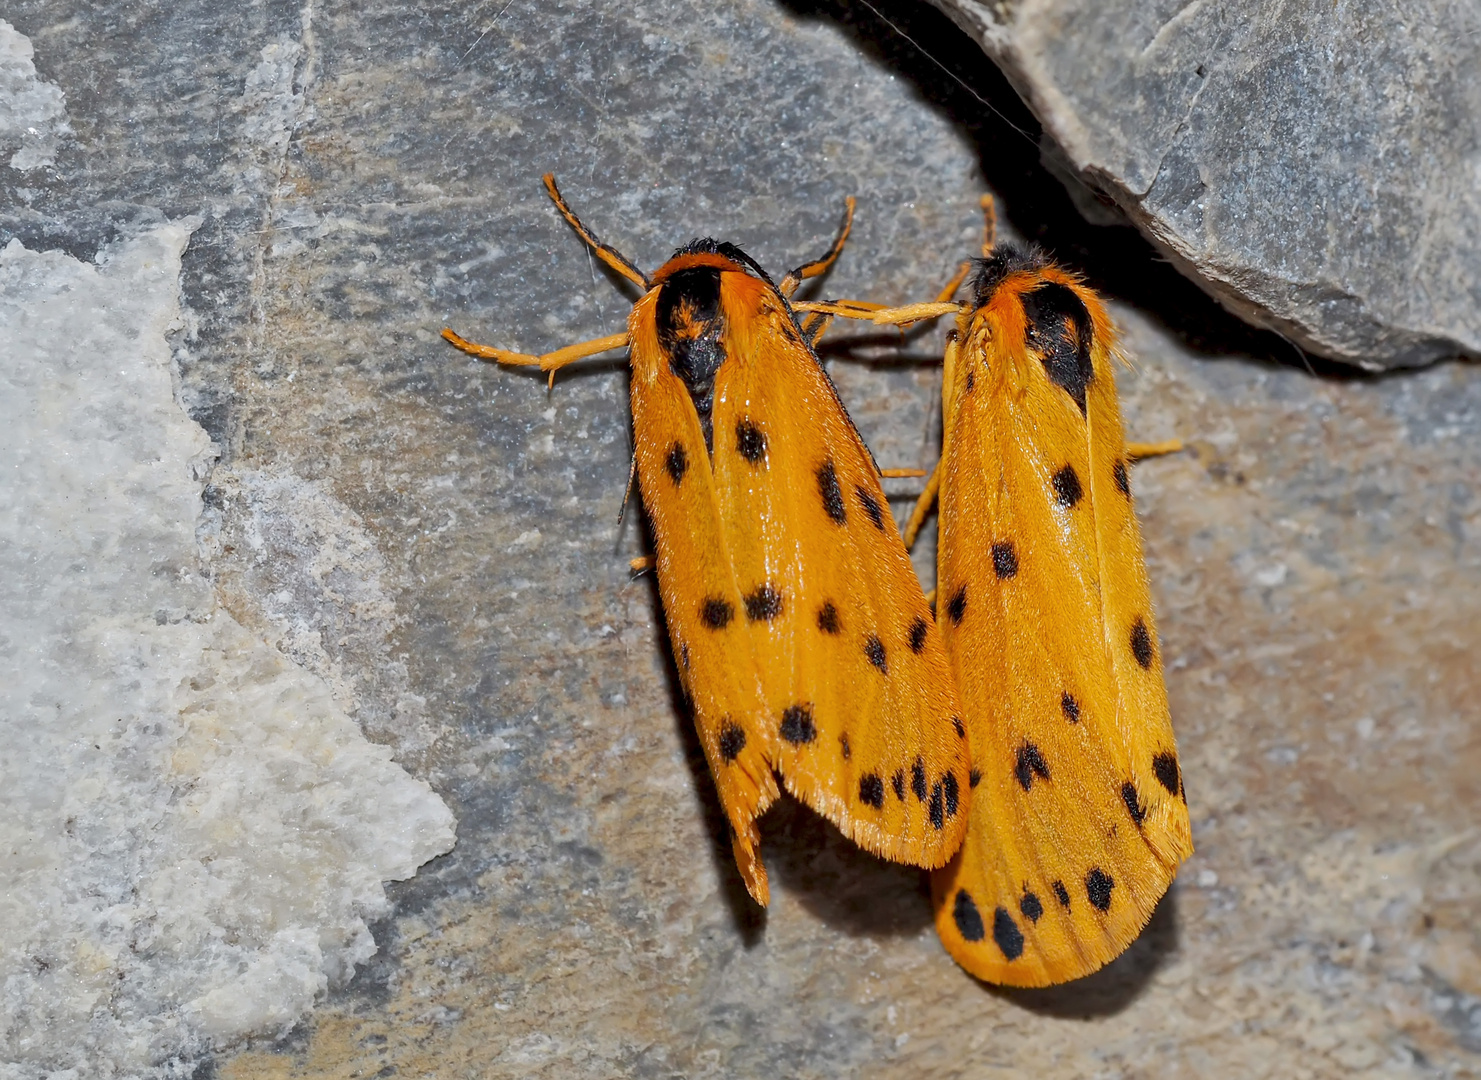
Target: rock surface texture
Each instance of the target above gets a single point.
(435, 539)
(1315, 166)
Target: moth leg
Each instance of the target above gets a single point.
(609, 255)
(922, 507)
(814, 325)
(550, 361)
(898, 473)
(848, 309)
(796, 277)
(1138, 450)
(641, 565)
(877, 313)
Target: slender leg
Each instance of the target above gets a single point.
(922, 507)
(550, 361)
(875, 313)
(1136, 450)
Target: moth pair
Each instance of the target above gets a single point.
(1019, 745)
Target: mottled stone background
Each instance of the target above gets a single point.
(369, 173)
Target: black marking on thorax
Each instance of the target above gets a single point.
(691, 330)
(1059, 330)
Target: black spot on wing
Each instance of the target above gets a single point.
(1165, 768)
(918, 779)
(676, 463)
(1061, 894)
(1123, 482)
(1030, 907)
(732, 740)
(828, 618)
(832, 494)
(1006, 933)
(974, 778)
(898, 783)
(918, 630)
(956, 724)
(1141, 644)
(967, 918)
(1059, 330)
(716, 612)
(874, 650)
(1133, 803)
(1030, 764)
(844, 747)
(871, 790)
(1004, 560)
(1098, 886)
(764, 604)
(936, 809)
(957, 607)
(971, 380)
(750, 441)
(1067, 489)
(952, 792)
(870, 505)
(1070, 707)
(797, 725)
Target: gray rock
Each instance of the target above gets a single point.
(436, 539)
(1316, 167)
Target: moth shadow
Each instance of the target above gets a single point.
(838, 881)
(1117, 985)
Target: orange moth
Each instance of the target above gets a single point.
(799, 631)
(1078, 819)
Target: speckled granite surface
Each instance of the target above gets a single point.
(369, 173)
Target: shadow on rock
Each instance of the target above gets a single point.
(949, 71)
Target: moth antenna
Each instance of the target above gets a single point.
(947, 292)
(609, 255)
(989, 225)
(796, 277)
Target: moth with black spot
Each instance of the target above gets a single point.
(1050, 632)
(808, 648)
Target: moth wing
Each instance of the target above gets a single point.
(1079, 821)
(714, 654)
(863, 713)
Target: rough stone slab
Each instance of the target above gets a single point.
(1314, 166)
(193, 835)
(436, 538)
